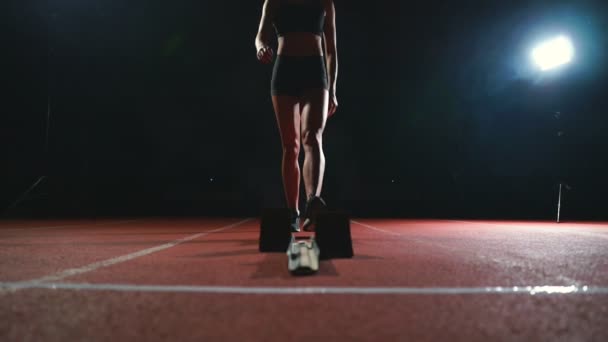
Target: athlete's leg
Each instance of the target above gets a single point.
(287, 112)
(314, 115)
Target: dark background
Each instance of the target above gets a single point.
(161, 108)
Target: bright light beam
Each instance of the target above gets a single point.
(553, 53)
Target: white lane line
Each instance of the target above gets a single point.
(105, 263)
(521, 290)
(478, 255)
(374, 228)
(70, 225)
(427, 241)
(430, 242)
(521, 226)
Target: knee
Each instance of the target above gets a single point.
(291, 150)
(312, 138)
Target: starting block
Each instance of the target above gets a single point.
(275, 234)
(332, 239)
(333, 236)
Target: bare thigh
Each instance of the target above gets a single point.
(313, 104)
(287, 112)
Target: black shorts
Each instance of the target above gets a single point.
(292, 74)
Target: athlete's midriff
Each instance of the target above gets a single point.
(300, 44)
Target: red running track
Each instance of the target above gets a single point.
(154, 279)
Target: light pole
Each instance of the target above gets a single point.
(549, 55)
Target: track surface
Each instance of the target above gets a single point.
(203, 279)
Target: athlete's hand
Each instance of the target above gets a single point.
(333, 104)
(265, 54)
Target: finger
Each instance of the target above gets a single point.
(262, 51)
(262, 56)
(330, 110)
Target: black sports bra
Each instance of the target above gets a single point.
(303, 16)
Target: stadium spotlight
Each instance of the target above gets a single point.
(553, 53)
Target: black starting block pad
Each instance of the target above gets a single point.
(303, 256)
(332, 234)
(275, 235)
